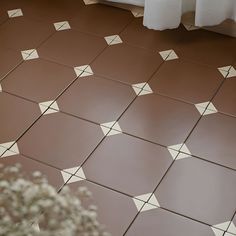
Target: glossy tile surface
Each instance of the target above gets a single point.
(145, 119)
(128, 164)
(187, 81)
(159, 119)
(96, 99)
(126, 63)
(81, 138)
(72, 48)
(167, 223)
(214, 138)
(199, 190)
(38, 80)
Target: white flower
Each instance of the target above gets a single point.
(4, 184)
(22, 201)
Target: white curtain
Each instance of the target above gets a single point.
(166, 14)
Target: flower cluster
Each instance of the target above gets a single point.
(32, 207)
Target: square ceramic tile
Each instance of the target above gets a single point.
(30, 166)
(207, 48)
(128, 164)
(96, 99)
(138, 35)
(225, 99)
(29, 33)
(159, 119)
(9, 60)
(73, 48)
(199, 190)
(186, 80)
(161, 222)
(38, 80)
(109, 20)
(60, 140)
(115, 211)
(16, 116)
(127, 63)
(214, 139)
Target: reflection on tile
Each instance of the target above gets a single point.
(145, 119)
(159, 119)
(213, 139)
(166, 223)
(128, 164)
(190, 184)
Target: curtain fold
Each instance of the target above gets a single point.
(166, 14)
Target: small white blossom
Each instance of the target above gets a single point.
(32, 207)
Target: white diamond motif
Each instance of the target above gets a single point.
(83, 71)
(174, 151)
(227, 71)
(206, 108)
(142, 89)
(111, 128)
(9, 149)
(48, 106)
(88, 2)
(29, 54)
(229, 234)
(140, 200)
(113, 39)
(232, 228)
(217, 232)
(137, 12)
(168, 55)
(63, 25)
(15, 13)
(190, 27)
(222, 226)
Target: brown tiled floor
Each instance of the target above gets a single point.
(145, 119)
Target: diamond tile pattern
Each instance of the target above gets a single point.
(145, 119)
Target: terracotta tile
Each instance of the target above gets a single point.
(115, 211)
(214, 139)
(38, 80)
(186, 80)
(3, 17)
(161, 222)
(127, 63)
(96, 99)
(72, 48)
(128, 164)
(109, 20)
(200, 190)
(16, 116)
(29, 166)
(225, 99)
(207, 48)
(6, 5)
(29, 33)
(60, 140)
(138, 35)
(159, 119)
(54, 10)
(9, 59)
